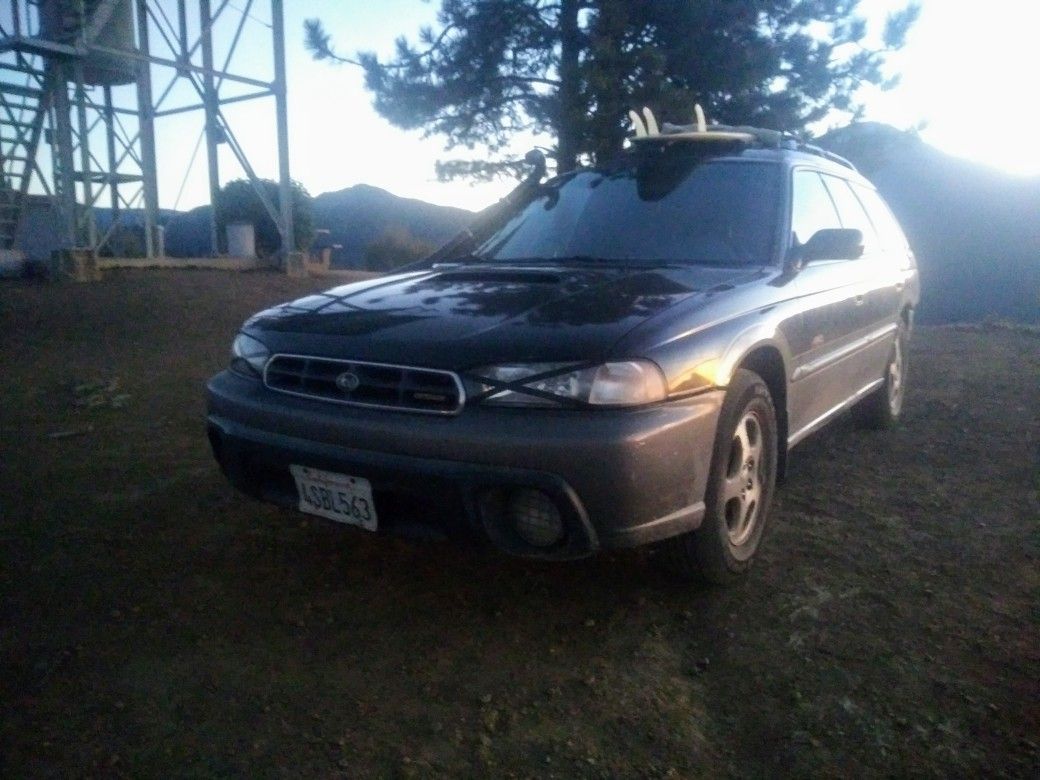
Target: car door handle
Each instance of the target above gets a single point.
(860, 299)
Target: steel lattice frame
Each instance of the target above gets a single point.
(42, 81)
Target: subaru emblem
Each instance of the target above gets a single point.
(347, 382)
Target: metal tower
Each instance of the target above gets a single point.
(83, 84)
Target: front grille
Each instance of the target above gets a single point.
(366, 384)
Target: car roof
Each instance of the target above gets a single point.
(799, 157)
(790, 158)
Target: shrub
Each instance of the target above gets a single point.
(125, 241)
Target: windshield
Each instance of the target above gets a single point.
(676, 210)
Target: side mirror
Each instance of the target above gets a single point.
(828, 244)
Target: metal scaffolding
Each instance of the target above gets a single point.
(83, 84)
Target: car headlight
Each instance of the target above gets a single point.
(624, 383)
(249, 355)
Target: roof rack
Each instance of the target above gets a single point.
(700, 131)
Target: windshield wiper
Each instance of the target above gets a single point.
(464, 259)
(566, 260)
(701, 261)
(606, 262)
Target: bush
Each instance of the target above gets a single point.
(238, 202)
(125, 241)
(396, 247)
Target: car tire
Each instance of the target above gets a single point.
(881, 409)
(741, 482)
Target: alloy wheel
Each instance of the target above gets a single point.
(743, 482)
(896, 370)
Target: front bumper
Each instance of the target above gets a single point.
(619, 478)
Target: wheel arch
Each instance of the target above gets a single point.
(767, 361)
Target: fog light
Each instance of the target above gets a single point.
(535, 517)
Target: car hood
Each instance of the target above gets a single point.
(474, 315)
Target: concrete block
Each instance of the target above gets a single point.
(76, 265)
(295, 264)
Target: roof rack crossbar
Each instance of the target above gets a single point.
(818, 150)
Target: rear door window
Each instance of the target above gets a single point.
(812, 208)
(891, 235)
(853, 216)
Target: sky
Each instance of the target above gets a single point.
(966, 68)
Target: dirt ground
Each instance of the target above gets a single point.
(155, 623)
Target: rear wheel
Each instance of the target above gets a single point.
(740, 488)
(881, 409)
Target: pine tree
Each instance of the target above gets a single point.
(572, 68)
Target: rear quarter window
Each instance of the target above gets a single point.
(890, 233)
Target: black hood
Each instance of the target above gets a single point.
(475, 315)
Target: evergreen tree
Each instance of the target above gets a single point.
(573, 68)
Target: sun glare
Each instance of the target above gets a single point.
(969, 74)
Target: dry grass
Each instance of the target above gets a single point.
(155, 623)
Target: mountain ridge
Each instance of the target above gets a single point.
(355, 216)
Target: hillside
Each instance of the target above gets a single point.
(976, 231)
(360, 214)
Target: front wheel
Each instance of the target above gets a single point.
(740, 487)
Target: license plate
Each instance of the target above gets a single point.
(338, 497)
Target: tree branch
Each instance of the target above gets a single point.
(319, 43)
(526, 80)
